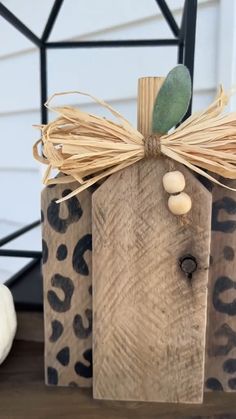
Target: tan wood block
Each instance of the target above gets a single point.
(221, 330)
(149, 317)
(67, 261)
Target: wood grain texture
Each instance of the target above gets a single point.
(24, 395)
(149, 318)
(221, 330)
(67, 260)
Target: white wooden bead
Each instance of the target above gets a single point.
(180, 204)
(173, 182)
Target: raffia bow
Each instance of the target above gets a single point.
(87, 148)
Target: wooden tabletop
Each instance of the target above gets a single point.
(23, 395)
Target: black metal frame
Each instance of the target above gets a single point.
(184, 39)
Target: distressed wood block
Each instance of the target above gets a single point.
(221, 347)
(67, 259)
(149, 315)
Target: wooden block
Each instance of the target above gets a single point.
(149, 316)
(67, 245)
(221, 330)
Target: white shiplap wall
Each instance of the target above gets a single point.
(107, 73)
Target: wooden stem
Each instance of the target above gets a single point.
(148, 87)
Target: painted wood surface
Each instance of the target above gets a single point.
(67, 261)
(221, 330)
(149, 316)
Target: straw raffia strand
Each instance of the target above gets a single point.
(88, 148)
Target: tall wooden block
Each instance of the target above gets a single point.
(67, 245)
(149, 315)
(221, 348)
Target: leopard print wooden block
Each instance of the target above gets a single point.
(67, 263)
(221, 330)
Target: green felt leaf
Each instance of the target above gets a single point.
(172, 100)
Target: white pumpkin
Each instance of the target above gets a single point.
(8, 322)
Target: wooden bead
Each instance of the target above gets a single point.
(173, 182)
(180, 204)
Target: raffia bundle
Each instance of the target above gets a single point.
(88, 148)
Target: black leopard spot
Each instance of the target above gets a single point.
(44, 251)
(82, 369)
(61, 252)
(229, 366)
(78, 261)
(57, 330)
(74, 213)
(229, 334)
(42, 216)
(228, 253)
(214, 384)
(80, 331)
(63, 356)
(223, 283)
(90, 290)
(232, 383)
(67, 286)
(52, 376)
(226, 204)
